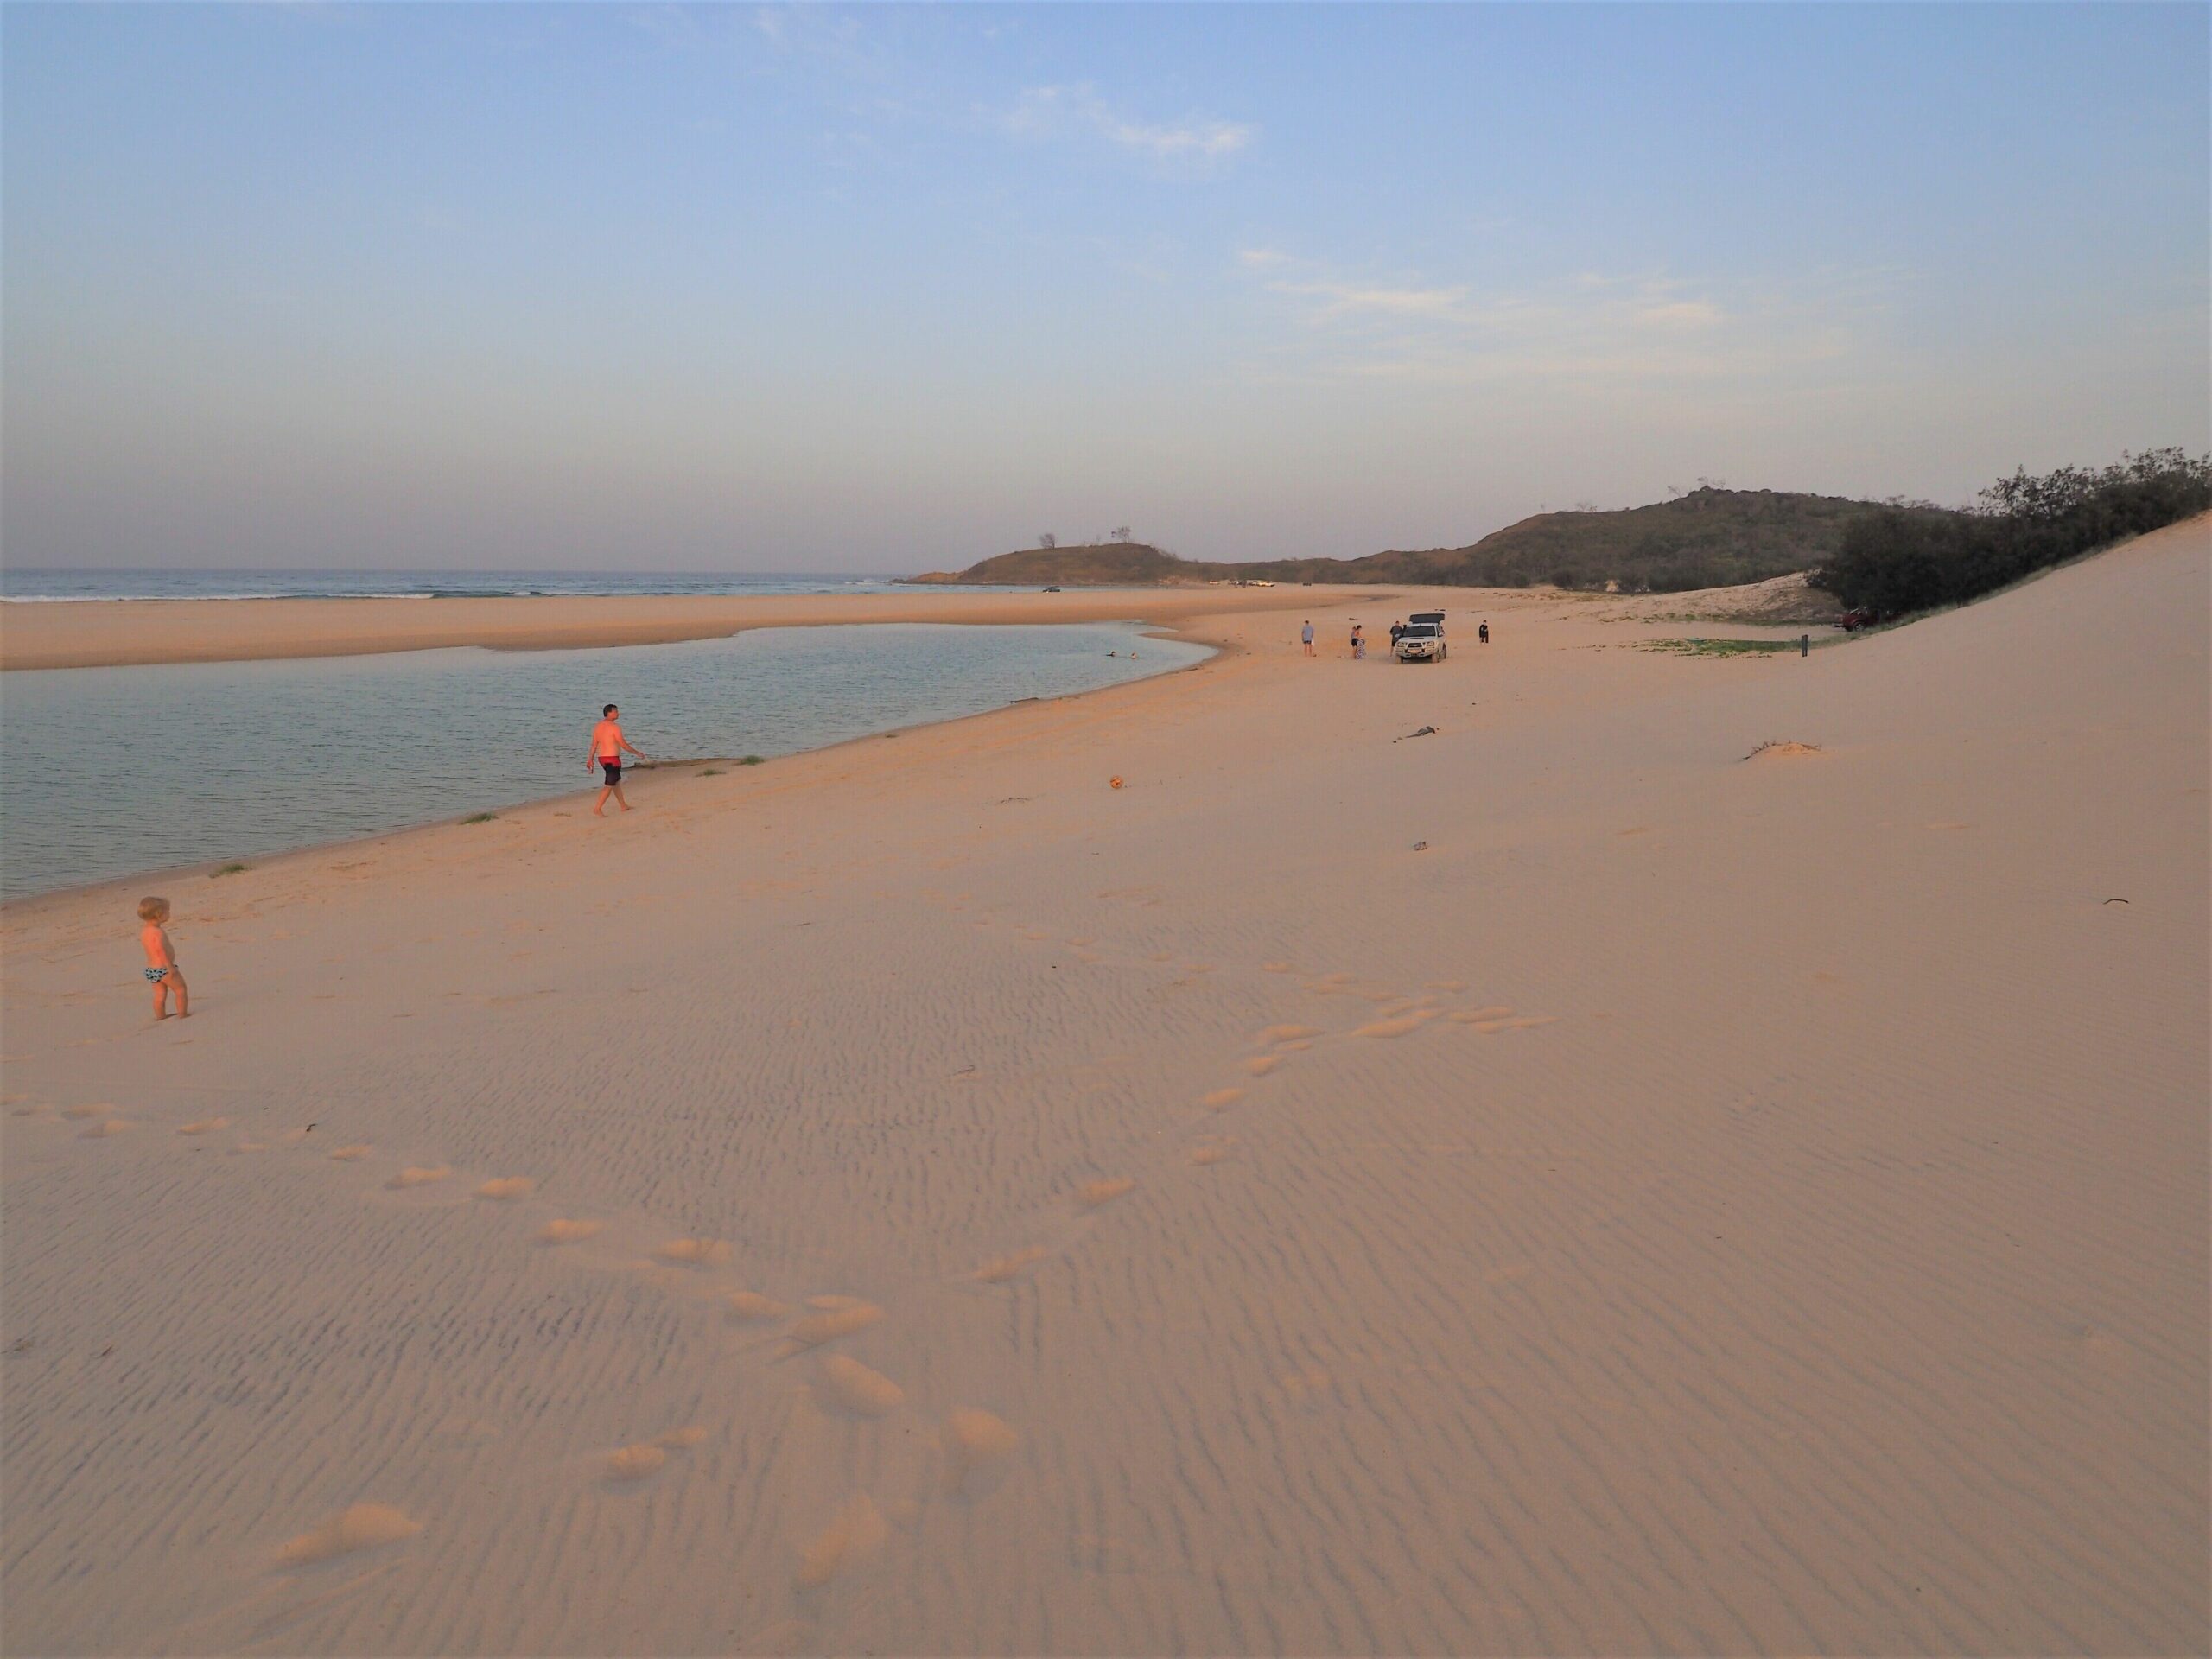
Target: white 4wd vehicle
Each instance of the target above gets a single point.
(1422, 642)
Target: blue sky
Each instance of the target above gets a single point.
(886, 289)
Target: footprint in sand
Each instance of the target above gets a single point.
(1277, 967)
(976, 1444)
(1220, 1098)
(1288, 1034)
(99, 1110)
(1213, 1152)
(1092, 1195)
(1398, 1027)
(817, 1328)
(695, 1252)
(419, 1175)
(1006, 1267)
(857, 1533)
(682, 1439)
(205, 1125)
(569, 1232)
(31, 1111)
(1520, 1022)
(246, 1146)
(101, 1131)
(634, 1463)
(364, 1526)
(505, 1189)
(750, 1305)
(1481, 1016)
(350, 1155)
(1260, 1065)
(844, 1381)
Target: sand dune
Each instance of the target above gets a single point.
(1694, 1205)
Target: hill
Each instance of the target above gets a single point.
(1708, 538)
(1101, 564)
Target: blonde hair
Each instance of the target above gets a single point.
(152, 910)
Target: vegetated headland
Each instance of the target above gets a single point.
(1886, 556)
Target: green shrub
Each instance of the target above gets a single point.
(1903, 559)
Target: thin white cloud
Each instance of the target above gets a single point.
(1646, 327)
(1349, 300)
(1681, 314)
(1047, 111)
(1262, 257)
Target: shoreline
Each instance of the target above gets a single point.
(1222, 647)
(145, 633)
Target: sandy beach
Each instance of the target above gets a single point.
(1690, 1154)
(119, 632)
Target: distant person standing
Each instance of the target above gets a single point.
(607, 744)
(1482, 633)
(1306, 637)
(162, 971)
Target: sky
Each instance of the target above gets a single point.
(890, 288)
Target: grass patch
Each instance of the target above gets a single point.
(749, 760)
(481, 818)
(1785, 747)
(227, 870)
(1718, 647)
(712, 771)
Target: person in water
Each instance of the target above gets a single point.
(162, 971)
(607, 744)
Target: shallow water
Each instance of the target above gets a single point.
(115, 770)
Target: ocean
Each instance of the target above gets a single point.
(33, 586)
(113, 771)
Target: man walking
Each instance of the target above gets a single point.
(607, 744)
(1305, 634)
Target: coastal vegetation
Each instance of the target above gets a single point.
(1711, 537)
(1719, 647)
(1900, 559)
